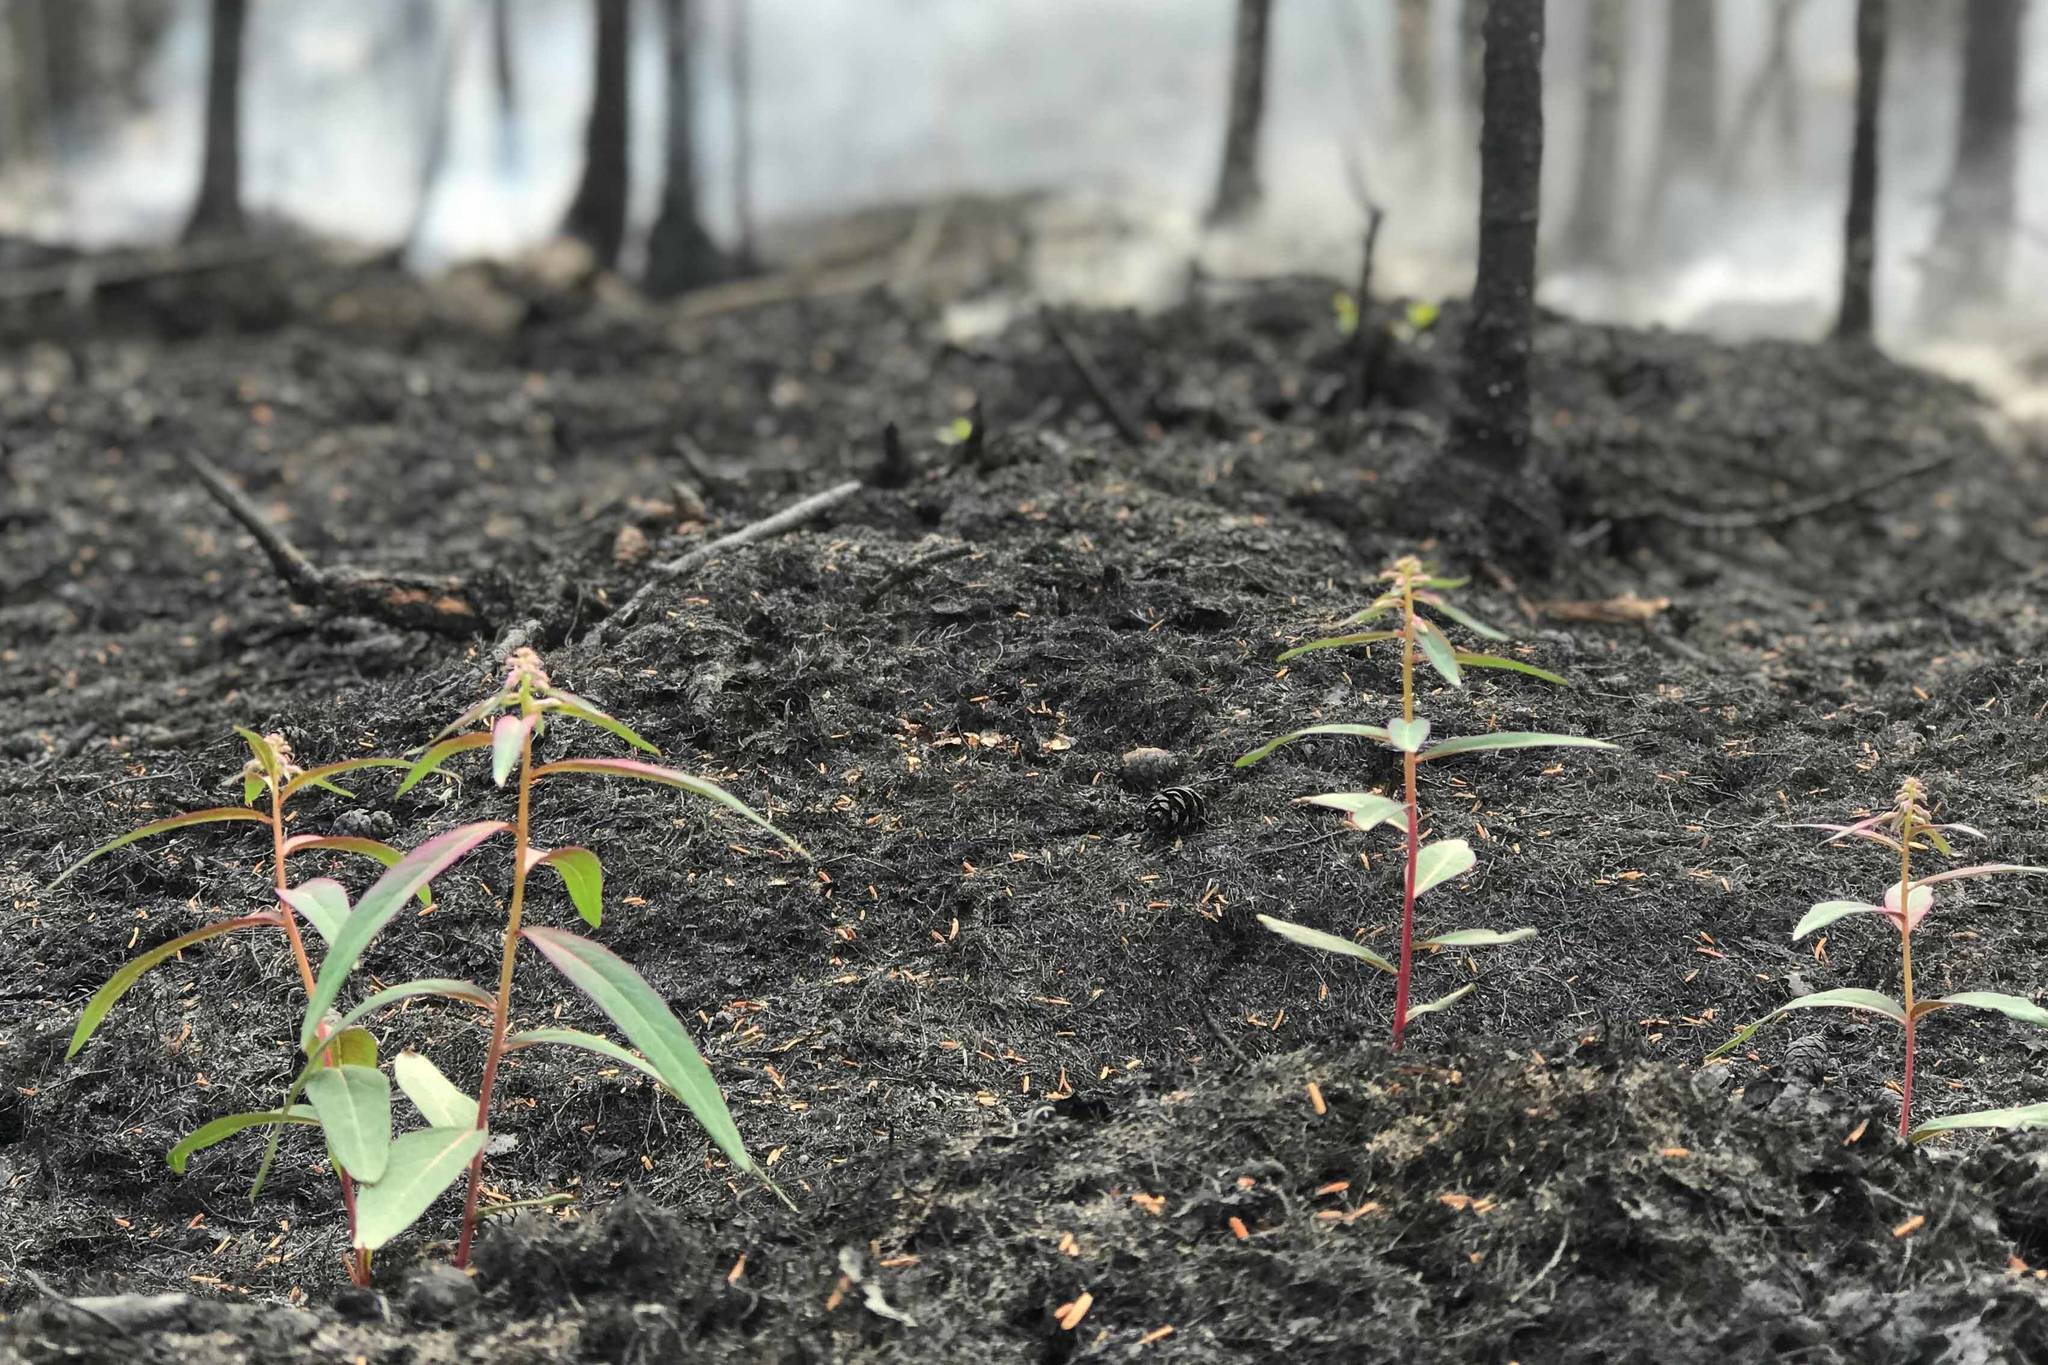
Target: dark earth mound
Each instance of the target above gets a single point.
(1005, 1047)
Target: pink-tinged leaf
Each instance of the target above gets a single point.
(109, 995)
(1921, 902)
(318, 777)
(1863, 829)
(1339, 642)
(569, 704)
(649, 1025)
(667, 777)
(1380, 607)
(1957, 874)
(508, 740)
(322, 902)
(1407, 735)
(2011, 1006)
(380, 903)
(1265, 750)
(582, 876)
(440, 752)
(375, 850)
(165, 826)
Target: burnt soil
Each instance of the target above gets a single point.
(1005, 1046)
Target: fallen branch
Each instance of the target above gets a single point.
(1793, 509)
(84, 276)
(788, 518)
(910, 569)
(442, 605)
(1084, 365)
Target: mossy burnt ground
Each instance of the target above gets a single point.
(1004, 1046)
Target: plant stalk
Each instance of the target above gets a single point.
(1408, 760)
(1906, 966)
(502, 1016)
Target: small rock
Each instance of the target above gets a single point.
(1145, 768)
(361, 1305)
(439, 1293)
(630, 546)
(689, 502)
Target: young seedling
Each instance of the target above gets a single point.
(518, 710)
(1907, 828)
(270, 772)
(1414, 599)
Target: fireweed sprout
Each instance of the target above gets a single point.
(1907, 828)
(1414, 599)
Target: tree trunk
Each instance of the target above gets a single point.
(218, 211)
(680, 254)
(504, 67)
(1859, 224)
(1471, 61)
(1414, 65)
(1596, 200)
(1973, 245)
(1490, 422)
(740, 73)
(597, 215)
(1237, 188)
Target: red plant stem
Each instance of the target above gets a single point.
(1401, 976)
(502, 1019)
(359, 1261)
(1906, 831)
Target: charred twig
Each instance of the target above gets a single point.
(910, 569)
(87, 275)
(1084, 365)
(417, 603)
(1367, 338)
(788, 518)
(1794, 509)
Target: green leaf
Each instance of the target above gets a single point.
(488, 706)
(1379, 607)
(1478, 938)
(1442, 1002)
(589, 1042)
(2026, 1116)
(508, 739)
(322, 902)
(422, 1164)
(1511, 739)
(569, 704)
(377, 851)
(2011, 1006)
(1357, 731)
(354, 1105)
(644, 1017)
(1436, 647)
(1846, 998)
(439, 1100)
(348, 1047)
(1339, 642)
(438, 753)
(1463, 618)
(253, 786)
(1329, 943)
(667, 777)
(1827, 912)
(1407, 735)
(380, 903)
(1470, 660)
(1441, 861)
(266, 756)
(582, 876)
(318, 777)
(221, 1129)
(191, 817)
(107, 996)
(1366, 809)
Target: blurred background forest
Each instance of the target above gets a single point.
(1696, 153)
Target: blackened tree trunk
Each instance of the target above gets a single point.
(1692, 87)
(504, 66)
(1596, 200)
(597, 215)
(219, 209)
(1413, 61)
(1775, 85)
(1490, 422)
(1471, 60)
(1973, 245)
(680, 254)
(1859, 224)
(1237, 187)
(740, 74)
